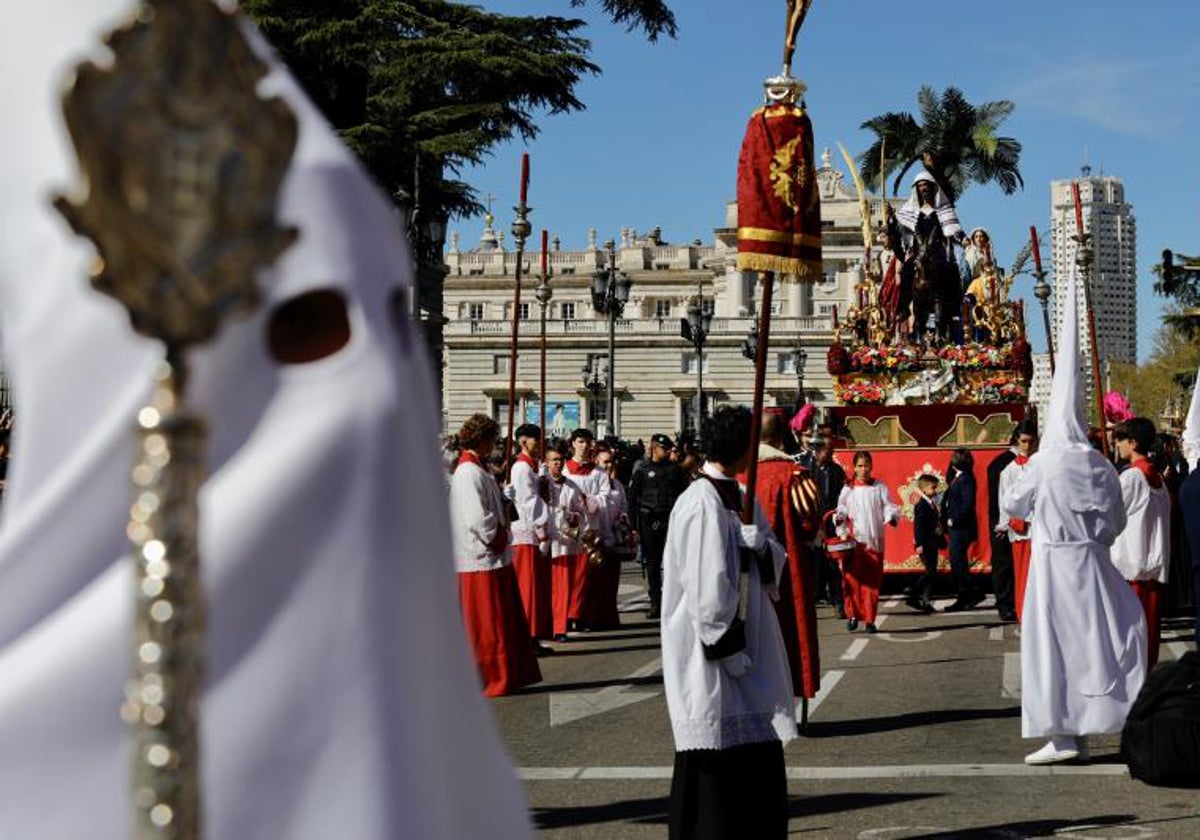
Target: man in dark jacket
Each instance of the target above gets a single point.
(652, 493)
(958, 514)
(830, 478)
(1002, 561)
(927, 539)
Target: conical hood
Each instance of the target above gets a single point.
(1191, 428)
(1065, 428)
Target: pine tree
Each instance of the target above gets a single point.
(420, 89)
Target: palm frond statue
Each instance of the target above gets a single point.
(958, 143)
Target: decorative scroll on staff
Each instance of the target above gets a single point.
(779, 208)
(179, 183)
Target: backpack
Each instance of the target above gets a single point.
(1161, 738)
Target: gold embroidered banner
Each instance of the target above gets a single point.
(779, 207)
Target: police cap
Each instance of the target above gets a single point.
(663, 441)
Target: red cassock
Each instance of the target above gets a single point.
(532, 568)
(497, 631)
(1149, 593)
(787, 495)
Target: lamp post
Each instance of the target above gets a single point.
(543, 293)
(695, 329)
(799, 357)
(591, 381)
(425, 229)
(610, 293)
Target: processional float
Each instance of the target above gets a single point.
(181, 166)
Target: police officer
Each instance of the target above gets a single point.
(652, 493)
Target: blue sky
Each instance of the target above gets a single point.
(659, 140)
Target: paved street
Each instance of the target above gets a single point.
(916, 733)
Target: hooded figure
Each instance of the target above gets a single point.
(1189, 492)
(340, 700)
(1083, 633)
(926, 227)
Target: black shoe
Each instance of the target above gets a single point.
(560, 637)
(541, 650)
(852, 624)
(919, 604)
(974, 599)
(1009, 616)
(871, 628)
(839, 611)
(957, 606)
(654, 613)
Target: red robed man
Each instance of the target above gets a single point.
(789, 497)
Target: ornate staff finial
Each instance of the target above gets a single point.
(181, 165)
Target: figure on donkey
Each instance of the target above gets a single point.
(927, 228)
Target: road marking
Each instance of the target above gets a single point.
(630, 589)
(927, 636)
(1011, 681)
(902, 771)
(828, 680)
(996, 634)
(852, 652)
(567, 708)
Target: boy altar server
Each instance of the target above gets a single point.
(725, 669)
(1142, 551)
(529, 531)
(1083, 636)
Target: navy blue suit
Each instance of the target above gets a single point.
(958, 511)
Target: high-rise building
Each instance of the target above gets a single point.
(1110, 221)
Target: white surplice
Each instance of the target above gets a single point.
(709, 708)
(532, 512)
(1143, 549)
(1083, 632)
(340, 700)
(868, 508)
(476, 518)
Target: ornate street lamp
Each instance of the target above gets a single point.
(591, 381)
(543, 293)
(799, 357)
(610, 293)
(695, 329)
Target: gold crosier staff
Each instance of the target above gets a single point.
(155, 131)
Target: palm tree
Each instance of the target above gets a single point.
(956, 141)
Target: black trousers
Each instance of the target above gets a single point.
(829, 577)
(653, 538)
(1189, 505)
(1003, 583)
(960, 541)
(923, 588)
(739, 793)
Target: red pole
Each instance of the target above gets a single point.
(760, 380)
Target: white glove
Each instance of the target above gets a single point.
(736, 665)
(754, 537)
(510, 492)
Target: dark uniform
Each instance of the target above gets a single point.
(652, 494)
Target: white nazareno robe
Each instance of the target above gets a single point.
(709, 708)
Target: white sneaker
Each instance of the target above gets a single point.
(1058, 749)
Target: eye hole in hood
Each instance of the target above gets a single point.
(310, 327)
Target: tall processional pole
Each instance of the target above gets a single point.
(779, 210)
(520, 230)
(1083, 261)
(543, 294)
(156, 139)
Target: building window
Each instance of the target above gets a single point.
(500, 410)
(500, 363)
(475, 311)
(598, 362)
(598, 410)
(785, 363)
(567, 311)
(523, 311)
(708, 306)
(662, 309)
(688, 361)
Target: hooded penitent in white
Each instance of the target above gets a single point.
(341, 701)
(1083, 633)
(1191, 428)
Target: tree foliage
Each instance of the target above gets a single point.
(1178, 277)
(1169, 372)
(421, 88)
(957, 142)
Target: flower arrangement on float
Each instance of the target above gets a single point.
(885, 359)
(1001, 389)
(975, 356)
(859, 392)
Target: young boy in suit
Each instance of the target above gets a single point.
(927, 539)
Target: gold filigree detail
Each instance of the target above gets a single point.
(181, 164)
(789, 173)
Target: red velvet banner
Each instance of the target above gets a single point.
(779, 207)
(899, 469)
